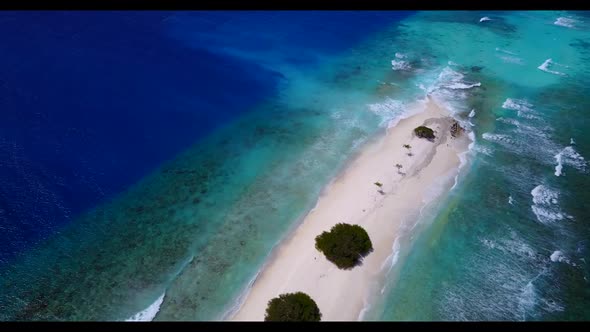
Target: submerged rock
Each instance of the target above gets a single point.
(456, 129)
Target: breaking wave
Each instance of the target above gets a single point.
(545, 205)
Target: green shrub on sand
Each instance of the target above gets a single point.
(424, 132)
(344, 245)
(292, 307)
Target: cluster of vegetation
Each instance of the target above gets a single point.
(344, 245)
(292, 307)
(380, 190)
(409, 147)
(424, 132)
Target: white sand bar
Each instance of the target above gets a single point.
(353, 198)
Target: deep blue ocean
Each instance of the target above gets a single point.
(112, 122)
(91, 102)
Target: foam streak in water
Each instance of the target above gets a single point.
(504, 51)
(149, 313)
(570, 157)
(400, 65)
(392, 111)
(524, 108)
(545, 67)
(545, 205)
(565, 22)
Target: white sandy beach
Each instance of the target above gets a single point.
(353, 198)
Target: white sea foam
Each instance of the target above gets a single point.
(516, 296)
(513, 245)
(391, 111)
(463, 155)
(482, 149)
(559, 64)
(545, 205)
(463, 158)
(497, 138)
(524, 108)
(510, 200)
(517, 105)
(527, 116)
(462, 86)
(527, 298)
(393, 257)
(557, 256)
(524, 129)
(451, 63)
(511, 59)
(565, 22)
(400, 65)
(449, 88)
(544, 195)
(545, 67)
(505, 51)
(570, 157)
(489, 243)
(436, 189)
(485, 18)
(472, 113)
(546, 216)
(400, 55)
(559, 167)
(364, 310)
(509, 121)
(448, 75)
(572, 142)
(149, 313)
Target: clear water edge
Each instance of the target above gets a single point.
(447, 258)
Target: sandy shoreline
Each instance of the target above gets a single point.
(353, 198)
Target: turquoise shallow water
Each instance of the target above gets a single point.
(198, 229)
(510, 241)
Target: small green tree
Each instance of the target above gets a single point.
(424, 132)
(292, 307)
(409, 147)
(344, 245)
(380, 185)
(399, 167)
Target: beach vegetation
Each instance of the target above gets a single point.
(378, 184)
(344, 245)
(409, 147)
(292, 307)
(424, 132)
